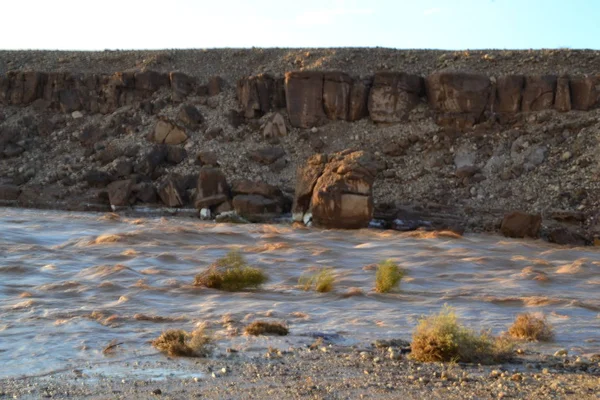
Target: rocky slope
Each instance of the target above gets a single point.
(459, 138)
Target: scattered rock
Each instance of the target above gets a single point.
(175, 154)
(171, 193)
(189, 116)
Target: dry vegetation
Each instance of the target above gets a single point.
(531, 327)
(266, 328)
(322, 281)
(388, 276)
(179, 343)
(440, 337)
(231, 273)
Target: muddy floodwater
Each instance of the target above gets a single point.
(71, 283)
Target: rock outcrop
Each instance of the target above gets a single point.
(394, 95)
(340, 187)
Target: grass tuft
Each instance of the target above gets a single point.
(441, 338)
(528, 326)
(388, 276)
(266, 328)
(231, 273)
(322, 281)
(179, 343)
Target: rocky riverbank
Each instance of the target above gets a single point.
(455, 139)
(323, 371)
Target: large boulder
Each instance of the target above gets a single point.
(562, 99)
(304, 98)
(168, 133)
(584, 94)
(336, 95)
(508, 94)
(462, 97)
(170, 192)
(538, 93)
(519, 225)
(342, 194)
(393, 95)
(306, 179)
(260, 94)
(359, 99)
(211, 189)
(119, 192)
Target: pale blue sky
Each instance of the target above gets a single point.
(440, 24)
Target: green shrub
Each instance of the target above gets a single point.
(531, 327)
(179, 343)
(322, 281)
(388, 276)
(231, 273)
(440, 337)
(266, 328)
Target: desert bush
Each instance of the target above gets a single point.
(388, 276)
(322, 281)
(179, 343)
(231, 273)
(440, 337)
(531, 327)
(266, 328)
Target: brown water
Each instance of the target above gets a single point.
(70, 283)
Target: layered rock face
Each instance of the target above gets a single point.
(460, 100)
(337, 189)
(95, 93)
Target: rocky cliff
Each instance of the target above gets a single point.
(458, 138)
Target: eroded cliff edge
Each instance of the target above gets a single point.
(459, 137)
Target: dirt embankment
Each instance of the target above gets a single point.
(64, 144)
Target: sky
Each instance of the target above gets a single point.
(434, 24)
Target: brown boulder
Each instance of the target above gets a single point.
(145, 192)
(336, 95)
(584, 94)
(168, 133)
(343, 194)
(458, 92)
(304, 98)
(562, 100)
(393, 95)
(359, 99)
(215, 85)
(189, 116)
(170, 193)
(566, 236)
(275, 127)
(508, 94)
(211, 189)
(519, 225)
(538, 93)
(306, 179)
(260, 94)
(119, 192)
